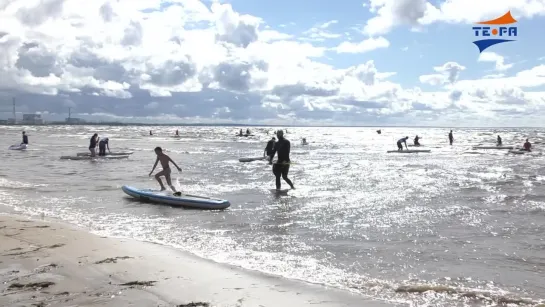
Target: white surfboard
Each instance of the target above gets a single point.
(122, 153)
(251, 159)
(518, 151)
(409, 151)
(93, 158)
(493, 147)
(281, 191)
(18, 147)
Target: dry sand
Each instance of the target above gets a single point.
(46, 263)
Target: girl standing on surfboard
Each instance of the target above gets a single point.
(165, 160)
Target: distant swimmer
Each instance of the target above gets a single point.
(527, 146)
(177, 134)
(450, 137)
(248, 131)
(282, 165)
(93, 145)
(499, 141)
(400, 143)
(102, 144)
(166, 170)
(304, 141)
(25, 138)
(270, 147)
(150, 133)
(416, 142)
(240, 133)
(379, 132)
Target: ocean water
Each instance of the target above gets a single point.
(454, 227)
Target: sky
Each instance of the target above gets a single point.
(371, 62)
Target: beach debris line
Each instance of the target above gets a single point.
(139, 283)
(32, 285)
(35, 250)
(113, 260)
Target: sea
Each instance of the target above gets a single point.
(452, 227)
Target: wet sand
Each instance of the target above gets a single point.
(44, 263)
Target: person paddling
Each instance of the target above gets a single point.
(400, 142)
(282, 166)
(527, 146)
(25, 138)
(102, 145)
(165, 160)
(269, 148)
(93, 145)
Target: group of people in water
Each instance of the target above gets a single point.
(527, 145)
(280, 147)
(102, 145)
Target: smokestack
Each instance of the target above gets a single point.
(14, 118)
(69, 112)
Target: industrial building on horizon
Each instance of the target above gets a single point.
(37, 119)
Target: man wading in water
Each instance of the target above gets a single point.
(282, 165)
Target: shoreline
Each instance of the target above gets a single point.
(71, 266)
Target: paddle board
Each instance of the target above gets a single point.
(167, 198)
(91, 158)
(409, 151)
(122, 153)
(251, 159)
(518, 151)
(281, 191)
(412, 145)
(493, 147)
(18, 147)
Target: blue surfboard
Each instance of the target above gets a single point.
(167, 198)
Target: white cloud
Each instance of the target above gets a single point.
(363, 46)
(447, 73)
(392, 13)
(202, 63)
(496, 58)
(326, 25)
(152, 105)
(319, 32)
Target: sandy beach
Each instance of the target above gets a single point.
(47, 263)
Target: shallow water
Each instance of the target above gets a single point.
(467, 224)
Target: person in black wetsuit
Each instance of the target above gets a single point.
(450, 137)
(25, 138)
(282, 165)
(93, 145)
(499, 143)
(270, 147)
(416, 142)
(102, 144)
